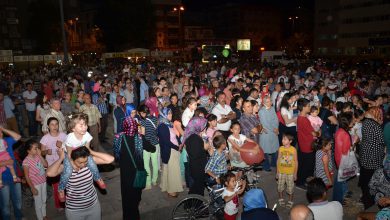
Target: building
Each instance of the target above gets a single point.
(10, 36)
(260, 23)
(197, 35)
(352, 28)
(169, 25)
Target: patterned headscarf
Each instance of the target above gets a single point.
(129, 109)
(119, 102)
(254, 199)
(375, 113)
(130, 128)
(195, 126)
(163, 118)
(151, 103)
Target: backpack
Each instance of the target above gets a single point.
(117, 144)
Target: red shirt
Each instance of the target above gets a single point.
(305, 136)
(341, 145)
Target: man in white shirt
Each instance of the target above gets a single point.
(30, 98)
(319, 205)
(224, 114)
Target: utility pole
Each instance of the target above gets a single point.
(66, 59)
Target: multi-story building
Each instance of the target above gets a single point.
(169, 26)
(352, 27)
(10, 37)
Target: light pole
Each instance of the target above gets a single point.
(180, 10)
(293, 18)
(66, 59)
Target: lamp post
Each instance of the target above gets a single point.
(293, 18)
(66, 59)
(180, 10)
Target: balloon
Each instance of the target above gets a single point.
(250, 158)
(225, 52)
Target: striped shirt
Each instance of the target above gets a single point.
(319, 169)
(80, 192)
(36, 171)
(150, 124)
(100, 103)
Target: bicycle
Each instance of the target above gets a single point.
(198, 207)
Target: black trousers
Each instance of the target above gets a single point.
(364, 179)
(306, 164)
(198, 177)
(103, 125)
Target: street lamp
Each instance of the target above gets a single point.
(180, 9)
(293, 18)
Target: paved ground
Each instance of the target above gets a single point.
(157, 205)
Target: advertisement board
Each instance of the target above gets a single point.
(244, 44)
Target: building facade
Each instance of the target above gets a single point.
(352, 28)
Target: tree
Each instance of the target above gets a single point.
(126, 24)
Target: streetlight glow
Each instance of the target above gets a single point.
(181, 8)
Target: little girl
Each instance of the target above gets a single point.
(211, 127)
(49, 144)
(315, 121)
(235, 141)
(34, 171)
(230, 195)
(4, 156)
(79, 137)
(324, 161)
(189, 111)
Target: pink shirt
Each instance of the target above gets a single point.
(173, 138)
(50, 143)
(36, 170)
(315, 122)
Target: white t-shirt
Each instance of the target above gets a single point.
(218, 111)
(73, 142)
(327, 210)
(290, 115)
(30, 95)
(235, 157)
(231, 207)
(186, 117)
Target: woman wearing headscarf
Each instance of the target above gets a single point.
(120, 113)
(152, 104)
(131, 196)
(255, 206)
(170, 155)
(372, 151)
(197, 153)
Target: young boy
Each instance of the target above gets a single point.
(217, 165)
(287, 167)
(230, 195)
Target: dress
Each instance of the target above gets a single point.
(269, 139)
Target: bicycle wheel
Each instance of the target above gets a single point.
(191, 207)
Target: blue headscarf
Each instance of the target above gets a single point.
(254, 199)
(163, 117)
(129, 109)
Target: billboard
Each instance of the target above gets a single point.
(243, 44)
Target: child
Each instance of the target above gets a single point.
(324, 162)
(315, 121)
(211, 127)
(4, 156)
(287, 167)
(189, 111)
(356, 130)
(33, 166)
(230, 196)
(235, 141)
(77, 138)
(217, 164)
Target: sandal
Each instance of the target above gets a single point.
(289, 204)
(281, 202)
(101, 184)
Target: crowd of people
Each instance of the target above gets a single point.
(183, 126)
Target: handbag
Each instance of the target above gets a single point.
(349, 166)
(140, 175)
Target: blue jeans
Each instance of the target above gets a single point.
(339, 189)
(11, 192)
(32, 124)
(19, 118)
(269, 161)
(68, 169)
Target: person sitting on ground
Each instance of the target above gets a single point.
(301, 212)
(255, 206)
(317, 196)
